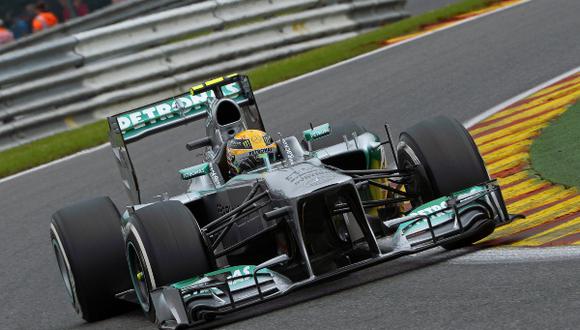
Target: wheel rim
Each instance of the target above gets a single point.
(64, 272)
(407, 162)
(138, 276)
(420, 183)
(414, 186)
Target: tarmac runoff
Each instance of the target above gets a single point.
(552, 211)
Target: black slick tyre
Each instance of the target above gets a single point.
(447, 161)
(164, 245)
(89, 248)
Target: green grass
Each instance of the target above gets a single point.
(66, 143)
(555, 155)
(53, 147)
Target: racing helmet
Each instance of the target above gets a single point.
(249, 149)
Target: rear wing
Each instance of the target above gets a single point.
(179, 110)
(133, 125)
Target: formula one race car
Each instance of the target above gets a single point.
(327, 204)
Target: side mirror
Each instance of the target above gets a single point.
(194, 171)
(317, 132)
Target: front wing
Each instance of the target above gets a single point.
(445, 220)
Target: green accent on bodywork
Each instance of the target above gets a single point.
(373, 153)
(194, 171)
(234, 271)
(185, 283)
(231, 90)
(433, 207)
(369, 143)
(169, 110)
(316, 132)
(374, 158)
(173, 109)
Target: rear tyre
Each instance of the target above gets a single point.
(447, 161)
(164, 245)
(88, 244)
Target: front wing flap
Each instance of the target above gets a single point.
(449, 218)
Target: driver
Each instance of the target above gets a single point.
(249, 149)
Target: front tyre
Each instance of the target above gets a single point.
(88, 245)
(446, 161)
(164, 245)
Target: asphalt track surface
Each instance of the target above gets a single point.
(460, 72)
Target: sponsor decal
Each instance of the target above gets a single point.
(194, 171)
(134, 123)
(213, 175)
(471, 192)
(268, 139)
(232, 89)
(434, 209)
(240, 144)
(234, 271)
(181, 106)
(288, 151)
(262, 151)
(239, 272)
(316, 132)
(439, 204)
(209, 155)
(309, 176)
(430, 209)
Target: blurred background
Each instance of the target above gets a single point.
(69, 63)
(18, 15)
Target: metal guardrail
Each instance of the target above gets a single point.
(115, 83)
(133, 35)
(55, 89)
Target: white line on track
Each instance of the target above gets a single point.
(518, 255)
(519, 97)
(280, 84)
